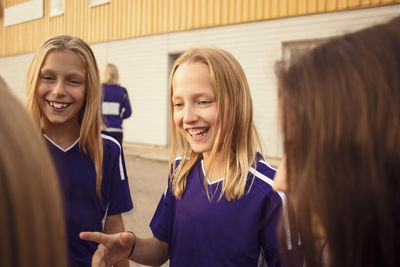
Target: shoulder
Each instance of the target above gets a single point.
(110, 143)
(114, 87)
(263, 174)
(120, 88)
(181, 161)
(177, 161)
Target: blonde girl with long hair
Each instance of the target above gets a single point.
(219, 208)
(64, 97)
(116, 105)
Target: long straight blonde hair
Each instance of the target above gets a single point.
(91, 122)
(236, 136)
(32, 230)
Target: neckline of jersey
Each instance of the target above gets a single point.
(208, 180)
(60, 148)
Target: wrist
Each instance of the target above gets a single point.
(134, 243)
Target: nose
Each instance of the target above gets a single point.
(280, 180)
(59, 89)
(190, 114)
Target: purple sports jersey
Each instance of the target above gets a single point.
(84, 210)
(203, 232)
(115, 107)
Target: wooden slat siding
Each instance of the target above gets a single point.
(293, 7)
(274, 9)
(122, 19)
(342, 4)
(283, 8)
(302, 7)
(313, 6)
(354, 3)
(9, 3)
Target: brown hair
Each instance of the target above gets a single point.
(31, 216)
(240, 140)
(90, 132)
(340, 116)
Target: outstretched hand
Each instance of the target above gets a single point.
(112, 248)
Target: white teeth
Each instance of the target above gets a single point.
(197, 132)
(58, 105)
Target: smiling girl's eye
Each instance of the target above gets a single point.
(178, 105)
(47, 77)
(75, 82)
(204, 102)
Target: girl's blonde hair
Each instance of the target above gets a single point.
(110, 75)
(236, 136)
(91, 122)
(31, 216)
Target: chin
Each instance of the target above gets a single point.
(199, 149)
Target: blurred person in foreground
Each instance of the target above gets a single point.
(340, 117)
(32, 229)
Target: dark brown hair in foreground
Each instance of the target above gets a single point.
(340, 111)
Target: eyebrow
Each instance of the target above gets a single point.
(71, 74)
(196, 95)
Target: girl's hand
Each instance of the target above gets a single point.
(112, 248)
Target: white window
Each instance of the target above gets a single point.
(291, 51)
(26, 11)
(98, 2)
(56, 7)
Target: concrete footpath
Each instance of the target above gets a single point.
(145, 151)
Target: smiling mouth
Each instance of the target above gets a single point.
(197, 132)
(58, 105)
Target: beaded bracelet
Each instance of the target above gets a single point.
(134, 243)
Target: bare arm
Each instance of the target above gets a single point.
(150, 251)
(116, 247)
(115, 224)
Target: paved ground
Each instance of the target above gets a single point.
(147, 180)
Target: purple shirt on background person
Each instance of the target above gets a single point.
(83, 208)
(203, 232)
(115, 107)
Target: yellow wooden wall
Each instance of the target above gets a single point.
(122, 19)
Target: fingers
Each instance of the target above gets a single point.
(112, 247)
(98, 259)
(92, 236)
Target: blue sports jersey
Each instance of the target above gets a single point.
(203, 232)
(115, 107)
(84, 210)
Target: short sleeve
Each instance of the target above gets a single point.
(270, 229)
(162, 220)
(120, 197)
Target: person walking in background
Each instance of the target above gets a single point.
(116, 105)
(340, 117)
(64, 97)
(219, 208)
(32, 231)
